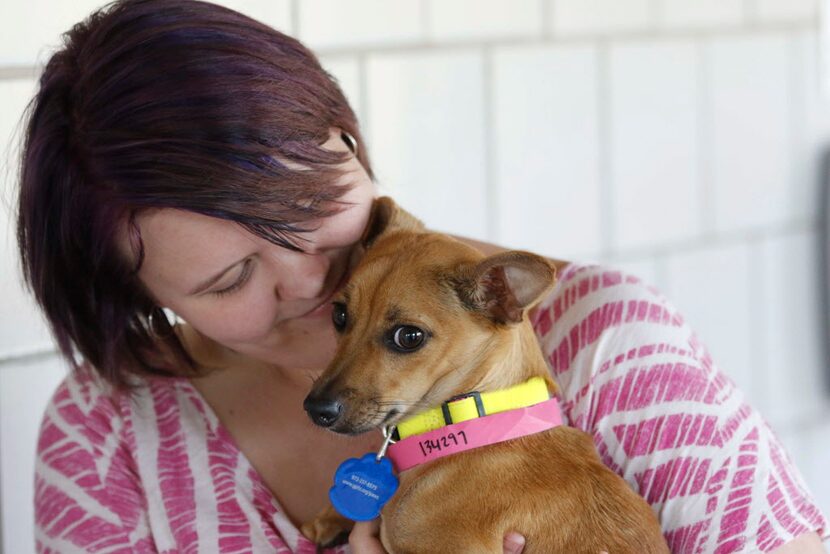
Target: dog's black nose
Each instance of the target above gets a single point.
(323, 412)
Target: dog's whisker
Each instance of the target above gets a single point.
(395, 400)
(402, 404)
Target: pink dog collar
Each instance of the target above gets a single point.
(474, 433)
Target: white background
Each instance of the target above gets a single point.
(679, 139)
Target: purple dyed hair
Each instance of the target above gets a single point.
(164, 104)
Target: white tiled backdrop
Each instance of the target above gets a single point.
(679, 139)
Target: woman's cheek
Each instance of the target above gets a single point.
(237, 318)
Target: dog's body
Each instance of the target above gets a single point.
(466, 317)
(551, 487)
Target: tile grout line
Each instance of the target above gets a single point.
(426, 22)
(757, 289)
(18, 72)
(548, 13)
(796, 91)
(295, 18)
(2, 496)
(493, 228)
(706, 176)
(604, 146)
(727, 239)
(31, 356)
(748, 9)
(656, 14)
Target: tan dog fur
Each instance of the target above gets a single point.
(551, 487)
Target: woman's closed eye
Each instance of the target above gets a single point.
(244, 275)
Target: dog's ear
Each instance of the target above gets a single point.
(386, 216)
(504, 285)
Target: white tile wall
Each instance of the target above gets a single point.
(569, 17)
(785, 10)
(360, 23)
(808, 448)
(346, 69)
(647, 269)
(25, 388)
(812, 124)
(654, 142)
(276, 13)
(545, 141)
(31, 30)
(711, 287)
(700, 14)
(426, 128)
(751, 130)
(39, 23)
(466, 19)
(792, 342)
(21, 328)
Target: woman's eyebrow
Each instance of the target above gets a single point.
(207, 283)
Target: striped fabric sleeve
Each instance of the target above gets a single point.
(86, 494)
(664, 417)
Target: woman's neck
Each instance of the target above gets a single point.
(217, 358)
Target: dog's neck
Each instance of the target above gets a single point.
(502, 367)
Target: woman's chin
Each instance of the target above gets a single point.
(308, 345)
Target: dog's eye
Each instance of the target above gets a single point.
(407, 338)
(338, 316)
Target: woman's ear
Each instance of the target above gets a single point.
(505, 285)
(386, 217)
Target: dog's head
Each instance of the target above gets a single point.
(424, 317)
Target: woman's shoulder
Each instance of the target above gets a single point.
(592, 278)
(603, 298)
(83, 436)
(665, 417)
(89, 410)
(87, 466)
(84, 399)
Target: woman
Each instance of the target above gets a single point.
(183, 159)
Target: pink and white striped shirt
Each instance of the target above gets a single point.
(159, 473)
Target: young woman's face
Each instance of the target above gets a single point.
(248, 294)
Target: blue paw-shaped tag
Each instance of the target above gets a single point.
(362, 487)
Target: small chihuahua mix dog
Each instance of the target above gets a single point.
(429, 325)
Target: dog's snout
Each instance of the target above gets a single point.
(323, 411)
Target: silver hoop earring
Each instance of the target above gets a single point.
(350, 141)
(158, 318)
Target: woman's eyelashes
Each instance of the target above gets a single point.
(244, 275)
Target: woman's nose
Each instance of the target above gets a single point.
(303, 276)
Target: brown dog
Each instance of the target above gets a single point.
(425, 318)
